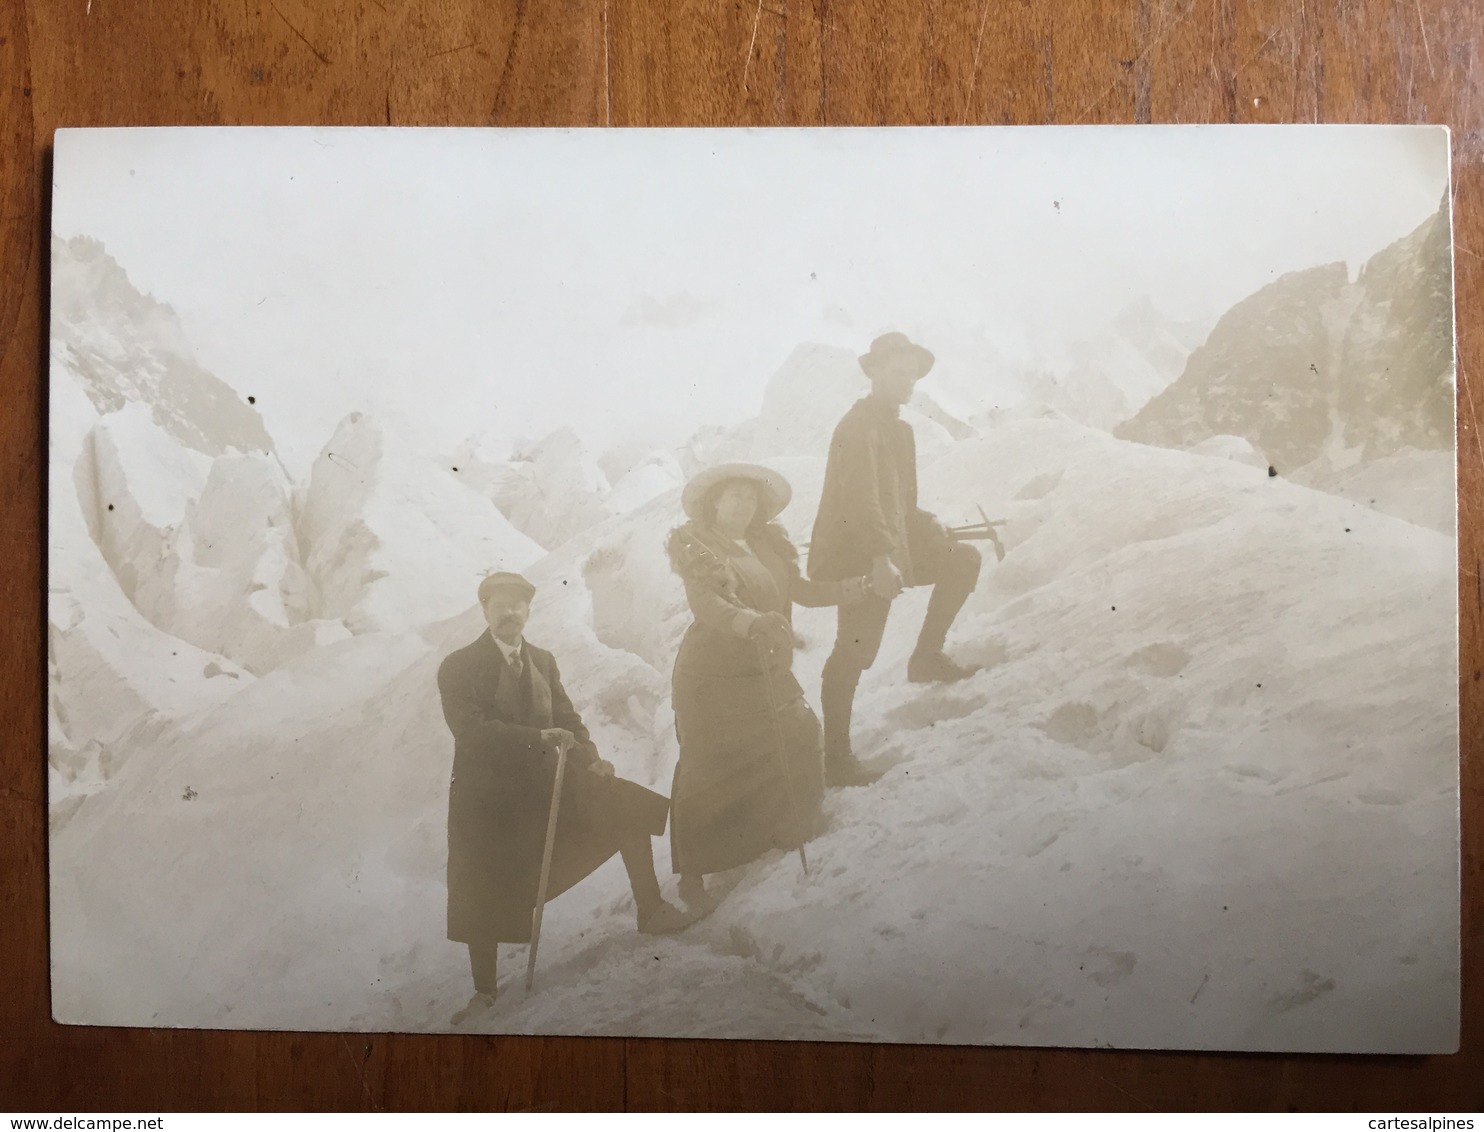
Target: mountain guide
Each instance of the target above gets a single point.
(869, 523)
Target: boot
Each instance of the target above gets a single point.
(693, 892)
(841, 768)
(666, 919)
(476, 1006)
(936, 668)
(836, 698)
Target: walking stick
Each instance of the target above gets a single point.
(551, 825)
(788, 785)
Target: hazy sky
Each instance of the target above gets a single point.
(644, 282)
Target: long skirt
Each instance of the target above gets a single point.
(750, 777)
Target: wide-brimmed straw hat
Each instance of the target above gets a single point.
(896, 344)
(773, 491)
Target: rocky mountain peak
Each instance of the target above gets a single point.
(1315, 366)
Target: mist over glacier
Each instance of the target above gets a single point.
(1203, 792)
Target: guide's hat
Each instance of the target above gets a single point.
(896, 344)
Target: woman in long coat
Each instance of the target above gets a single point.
(750, 777)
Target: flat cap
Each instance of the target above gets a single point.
(504, 580)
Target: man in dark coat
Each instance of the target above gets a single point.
(869, 524)
(509, 714)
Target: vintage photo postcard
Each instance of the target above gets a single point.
(982, 586)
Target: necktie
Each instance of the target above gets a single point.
(516, 665)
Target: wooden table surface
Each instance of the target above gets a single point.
(677, 62)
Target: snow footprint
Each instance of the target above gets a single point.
(1074, 723)
(1250, 774)
(931, 710)
(1161, 659)
(1040, 486)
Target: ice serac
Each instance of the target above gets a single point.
(1321, 372)
(122, 346)
(137, 485)
(145, 444)
(484, 463)
(248, 589)
(110, 671)
(204, 549)
(651, 477)
(561, 490)
(396, 540)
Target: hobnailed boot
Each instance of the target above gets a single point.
(928, 664)
(936, 668)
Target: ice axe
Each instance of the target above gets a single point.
(551, 826)
(982, 530)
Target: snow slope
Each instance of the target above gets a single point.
(1203, 794)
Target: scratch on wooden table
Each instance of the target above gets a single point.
(1468, 395)
(361, 1066)
(1159, 38)
(974, 74)
(1427, 51)
(515, 30)
(607, 70)
(318, 54)
(757, 18)
(1048, 75)
(824, 71)
(1137, 1100)
(1261, 47)
(451, 50)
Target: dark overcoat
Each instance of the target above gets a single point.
(868, 506)
(500, 795)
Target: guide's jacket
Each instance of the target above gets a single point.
(868, 506)
(499, 798)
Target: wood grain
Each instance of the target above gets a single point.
(680, 62)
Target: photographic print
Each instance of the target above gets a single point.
(976, 586)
